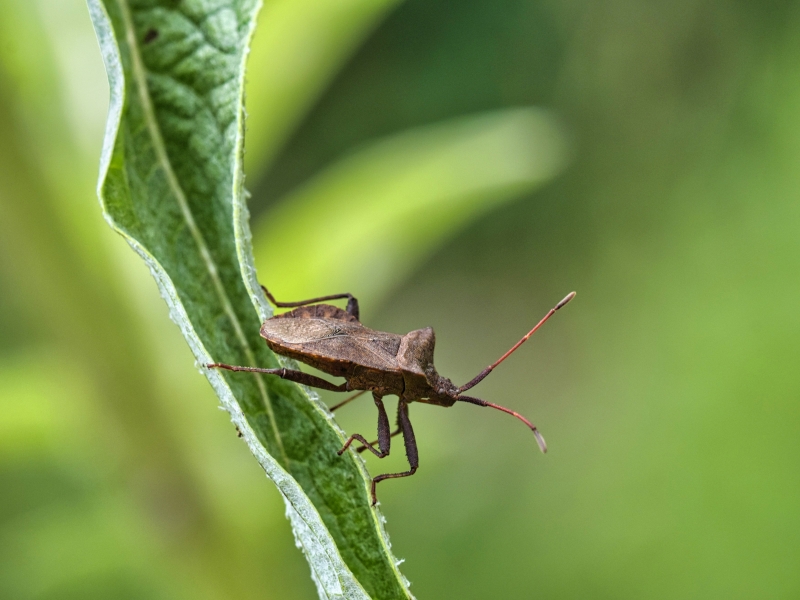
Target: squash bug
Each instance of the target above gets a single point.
(335, 342)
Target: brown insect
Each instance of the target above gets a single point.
(334, 341)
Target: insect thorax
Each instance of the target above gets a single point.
(415, 358)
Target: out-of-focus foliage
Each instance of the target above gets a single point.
(667, 390)
(366, 222)
(299, 47)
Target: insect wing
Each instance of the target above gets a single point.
(333, 341)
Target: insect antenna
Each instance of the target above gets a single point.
(479, 402)
(482, 375)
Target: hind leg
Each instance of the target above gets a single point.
(288, 374)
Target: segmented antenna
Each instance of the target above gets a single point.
(480, 377)
(479, 402)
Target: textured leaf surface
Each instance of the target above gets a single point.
(171, 184)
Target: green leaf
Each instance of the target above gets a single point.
(171, 184)
(382, 210)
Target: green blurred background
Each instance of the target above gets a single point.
(393, 153)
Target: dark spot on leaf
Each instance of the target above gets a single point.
(150, 35)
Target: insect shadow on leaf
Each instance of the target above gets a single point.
(334, 341)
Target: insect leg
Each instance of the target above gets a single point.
(411, 448)
(362, 448)
(346, 401)
(352, 302)
(289, 375)
(384, 437)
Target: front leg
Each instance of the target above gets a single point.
(412, 454)
(384, 437)
(362, 448)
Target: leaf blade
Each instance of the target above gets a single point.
(171, 184)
